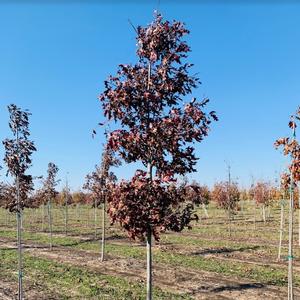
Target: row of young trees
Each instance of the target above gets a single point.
(157, 128)
(262, 193)
(102, 186)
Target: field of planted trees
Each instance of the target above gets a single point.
(157, 235)
(210, 261)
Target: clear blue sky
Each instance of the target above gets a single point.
(55, 57)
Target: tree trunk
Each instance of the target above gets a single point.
(299, 219)
(149, 264)
(43, 217)
(50, 224)
(19, 237)
(254, 216)
(229, 222)
(66, 218)
(290, 253)
(22, 219)
(6, 218)
(205, 210)
(281, 230)
(264, 213)
(77, 215)
(149, 251)
(299, 226)
(103, 231)
(95, 219)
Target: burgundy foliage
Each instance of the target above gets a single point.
(97, 182)
(157, 128)
(18, 151)
(143, 202)
(291, 147)
(197, 194)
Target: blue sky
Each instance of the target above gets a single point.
(55, 57)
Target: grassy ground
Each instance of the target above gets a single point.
(246, 249)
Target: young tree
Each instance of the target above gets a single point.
(284, 186)
(199, 195)
(67, 199)
(79, 198)
(227, 197)
(49, 193)
(18, 151)
(261, 193)
(291, 147)
(97, 183)
(157, 128)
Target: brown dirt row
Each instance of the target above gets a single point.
(223, 253)
(199, 284)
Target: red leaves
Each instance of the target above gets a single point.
(291, 147)
(197, 194)
(18, 151)
(97, 181)
(147, 101)
(261, 193)
(140, 203)
(227, 196)
(162, 40)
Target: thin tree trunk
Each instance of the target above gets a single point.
(50, 223)
(254, 216)
(77, 213)
(291, 227)
(19, 235)
(66, 218)
(95, 219)
(149, 264)
(149, 251)
(290, 253)
(205, 210)
(103, 231)
(149, 231)
(281, 230)
(22, 219)
(6, 218)
(20, 262)
(43, 217)
(299, 226)
(264, 213)
(298, 217)
(229, 224)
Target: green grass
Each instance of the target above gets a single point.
(209, 234)
(261, 273)
(74, 282)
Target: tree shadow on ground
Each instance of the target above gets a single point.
(223, 250)
(229, 287)
(238, 287)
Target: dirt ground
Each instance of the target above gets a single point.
(198, 284)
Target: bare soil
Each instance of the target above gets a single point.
(197, 283)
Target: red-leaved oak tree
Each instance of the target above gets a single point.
(157, 127)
